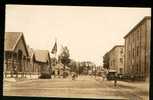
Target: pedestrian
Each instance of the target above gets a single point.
(95, 73)
(73, 75)
(115, 80)
(77, 75)
(103, 77)
(53, 73)
(58, 72)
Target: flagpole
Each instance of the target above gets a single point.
(55, 56)
(54, 49)
(56, 44)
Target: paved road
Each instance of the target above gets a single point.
(84, 86)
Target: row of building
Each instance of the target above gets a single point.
(20, 60)
(132, 58)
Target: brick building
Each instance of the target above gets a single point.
(137, 50)
(116, 59)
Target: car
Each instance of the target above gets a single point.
(120, 76)
(127, 77)
(111, 75)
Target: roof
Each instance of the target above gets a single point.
(137, 25)
(116, 47)
(12, 39)
(41, 56)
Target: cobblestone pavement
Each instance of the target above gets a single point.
(82, 87)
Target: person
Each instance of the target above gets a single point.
(115, 80)
(95, 73)
(15, 71)
(53, 73)
(103, 75)
(58, 74)
(73, 76)
(76, 75)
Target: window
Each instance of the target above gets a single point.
(14, 55)
(121, 60)
(121, 51)
(133, 52)
(137, 50)
(129, 54)
(137, 68)
(138, 34)
(8, 55)
(121, 70)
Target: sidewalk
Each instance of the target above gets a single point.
(19, 79)
(80, 77)
(144, 86)
(139, 85)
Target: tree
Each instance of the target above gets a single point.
(64, 56)
(106, 61)
(85, 66)
(53, 61)
(73, 65)
(80, 67)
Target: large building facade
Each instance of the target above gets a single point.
(116, 59)
(137, 50)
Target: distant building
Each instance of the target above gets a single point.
(116, 59)
(15, 55)
(137, 49)
(42, 62)
(106, 61)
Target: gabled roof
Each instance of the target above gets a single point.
(11, 40)
(41, 56)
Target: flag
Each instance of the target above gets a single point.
(54, 50)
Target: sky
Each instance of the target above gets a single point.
(88, 32)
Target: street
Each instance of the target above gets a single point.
(82, 87)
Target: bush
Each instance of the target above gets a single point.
(45, 76)
(65, 74)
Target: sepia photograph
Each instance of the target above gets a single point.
(77, 52)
